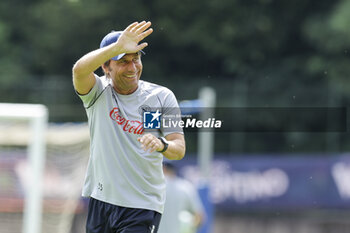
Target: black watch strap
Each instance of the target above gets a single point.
(165, 143)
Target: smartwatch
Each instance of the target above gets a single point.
(165, 143)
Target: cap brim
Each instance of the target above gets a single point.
(116, 58)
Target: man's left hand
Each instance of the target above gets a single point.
(150, 143)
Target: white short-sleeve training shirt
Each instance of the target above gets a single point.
(119, 171)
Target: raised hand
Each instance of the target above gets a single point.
(132, 35)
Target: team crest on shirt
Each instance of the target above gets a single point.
(135, 127)
(144, 108)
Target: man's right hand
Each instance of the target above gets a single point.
(128, 41)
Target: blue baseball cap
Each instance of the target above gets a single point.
(111, 38)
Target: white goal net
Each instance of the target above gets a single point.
(42, 168)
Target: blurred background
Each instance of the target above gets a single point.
(253, 53)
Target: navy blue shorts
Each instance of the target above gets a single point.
(107, 218)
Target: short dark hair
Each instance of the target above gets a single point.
(107, 62)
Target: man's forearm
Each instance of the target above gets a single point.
(93, 60)
(176, 150)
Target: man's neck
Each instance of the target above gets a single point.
(124, 92)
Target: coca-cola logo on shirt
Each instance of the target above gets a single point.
(129, 126)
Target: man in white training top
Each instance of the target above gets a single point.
(181, 197)
(124, 177)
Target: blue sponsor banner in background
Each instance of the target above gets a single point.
(237, 183)
(275, 182)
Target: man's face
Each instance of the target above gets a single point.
(125, 73)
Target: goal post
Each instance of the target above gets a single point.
(37, 117)
(204, 105)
